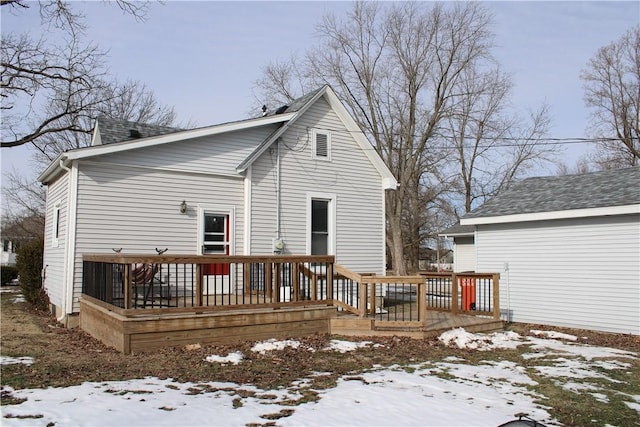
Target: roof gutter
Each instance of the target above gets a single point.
(60, 162)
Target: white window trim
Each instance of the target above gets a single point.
(332, 198)
(314, 133)
(55, 231)
(219, 210)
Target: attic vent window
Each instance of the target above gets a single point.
(134, 133)
(321, 145)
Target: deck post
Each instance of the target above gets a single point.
(128, 280)
(277, 282)
(363, 299)
(372, 298)
(314, 286)
(246, 277)
(422, 301)
(199, 285)
(454, 293)
(330, 281)
(268, 282)
(496, 296)
(295, 278)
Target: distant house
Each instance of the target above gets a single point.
(300, 180)
(464, 250)
(567, 247)
(8, 252)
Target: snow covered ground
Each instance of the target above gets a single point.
(446, 393)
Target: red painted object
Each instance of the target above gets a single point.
(468, 285)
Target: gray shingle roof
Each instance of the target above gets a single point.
(296, 104)
(458, 230)
(558, 193)
(114, 130)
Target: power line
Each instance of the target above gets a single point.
(497, 142)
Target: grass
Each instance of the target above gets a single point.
(65, 357)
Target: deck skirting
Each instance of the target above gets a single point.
(154, 331)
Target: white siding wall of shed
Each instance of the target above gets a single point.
(349, 176)
(137, 209)
(581, 273)
(464, 254)
(53, 257)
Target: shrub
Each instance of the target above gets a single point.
(8, 273)
(29, 264)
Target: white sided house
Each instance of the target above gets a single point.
(567, 247)
(302, 180)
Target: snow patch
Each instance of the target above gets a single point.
(273, 344)
(232, 358)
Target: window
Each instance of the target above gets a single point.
(55, 242)
(319, 227)
(321, 145)
(215, 239)
(321, 223)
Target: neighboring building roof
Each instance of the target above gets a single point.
(458, 230)
(108, 130)
(582, 195)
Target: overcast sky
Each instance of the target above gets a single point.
(203, 57)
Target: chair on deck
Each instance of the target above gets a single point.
(147, 287)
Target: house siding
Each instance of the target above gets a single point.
(581, 273)
(349, 175)
(54, 256)
(137, 209)
(225, 151)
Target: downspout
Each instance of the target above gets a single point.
(70, 249)
(63, 310)
(278, 189)
(247, 210)
(63, 167)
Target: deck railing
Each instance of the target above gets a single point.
(148, 282)
(133, 282)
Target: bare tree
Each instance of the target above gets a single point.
(612, 90)
(399, 68)
(492, 147)
(52, 92)
(44, 86)
(129, 100)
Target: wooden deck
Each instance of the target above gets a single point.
(153, 329)
(254, 298)
(436, 323)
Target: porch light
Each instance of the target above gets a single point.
(183, 207)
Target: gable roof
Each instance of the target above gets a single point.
(301, 105)
(458, 230)
(108, 130)
(285, 115)
(571, 196)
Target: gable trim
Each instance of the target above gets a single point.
(271, 139)
(545, 216)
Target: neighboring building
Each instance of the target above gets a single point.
(16, 232)
(464, 250)
(568, 248)
(301, 180)
(8, 252)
